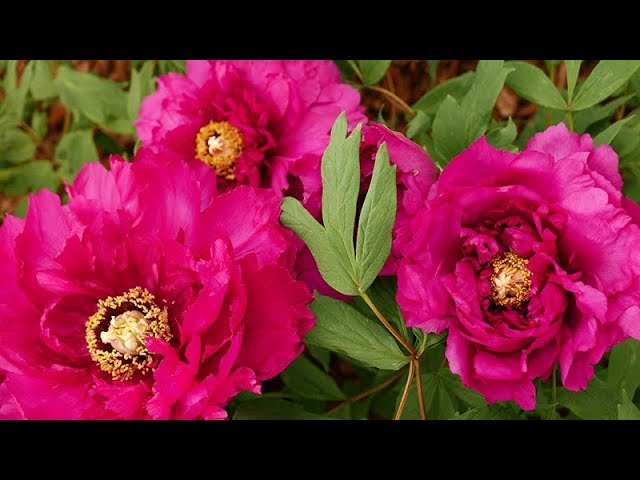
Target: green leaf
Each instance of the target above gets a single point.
(321, 355)
(273, 409)
(456, 126)
(433, 70)
(42, 86)
(624, 366)
(503, 137)
(102, 101)
(418, 124)
(598, 402)
(383, 295)
(373, 70)
(142, 84)
(607, 136)
(340, 186)
(573, 70)
(341, 328)
(455, 387)
(457, 87)
(166, 66)
(15, 146)
(31, 177)
(494, 411)
(606, 78)
(16, 94)
(587, 117)
(437, 399)
(627, 409)
(39, 124)
(21, 208)
(308, 381)
(74, 150)
(298, 219)
(376, 220)
(533, 85)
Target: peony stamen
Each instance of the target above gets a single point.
(220, 144)
(116, 333)
(510, 282)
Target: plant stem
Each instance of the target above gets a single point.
(394, 98)
(423, 408)
(620, 112)
(370, 391)
(570, 117)
(388, 326)
(405, 393)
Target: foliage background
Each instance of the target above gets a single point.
(56, 115)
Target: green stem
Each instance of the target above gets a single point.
(423, 408)
(394, 98)
(370, 391)
(405, 393)
(570, 117)
(387, 325)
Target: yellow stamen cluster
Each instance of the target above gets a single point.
(510, 282)
(116, 333)
(219, 144)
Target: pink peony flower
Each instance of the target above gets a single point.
(416, 172)
(145, 296)
(260, 123)
(528, 259)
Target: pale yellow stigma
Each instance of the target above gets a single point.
(510, 282)
(116, 333)
(220, 144)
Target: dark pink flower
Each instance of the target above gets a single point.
(416, 172)
(145, 296)
(263, 123)
(528, 260)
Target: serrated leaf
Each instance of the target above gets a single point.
(624, 366)
(607, 136)
(42, 86)
(606, 78)
(627, 409)
(31, 177)
(308, 381)
(298, 219)
(15, 146)
(533, 85)
(341, 328)
(372, 71)
(376, 221)
(102, 101)
(598, 402)
(573, 70)
(457, 87)
(74, 150)
(273, 409)
(142, 84)
(503, 137)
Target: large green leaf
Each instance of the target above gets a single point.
(16, 91)
(494, 411)
(573, 70)
(102, 101)
(627, 409)
(607, 136)
(532, 84)
(308, 381)
(341, 328)
(606, 78)
(142, 84)
(376, 220)
(457, 87)
(624, 366)
(598, 402)
(503, 137)
(15, 146)
(42, 86)
(583, 119)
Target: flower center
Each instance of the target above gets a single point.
(116, 333)
(219, 144)
(510, 283)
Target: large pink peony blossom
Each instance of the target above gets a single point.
(146, 296)
(416, 172)
(261, 123)
(528, 259)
